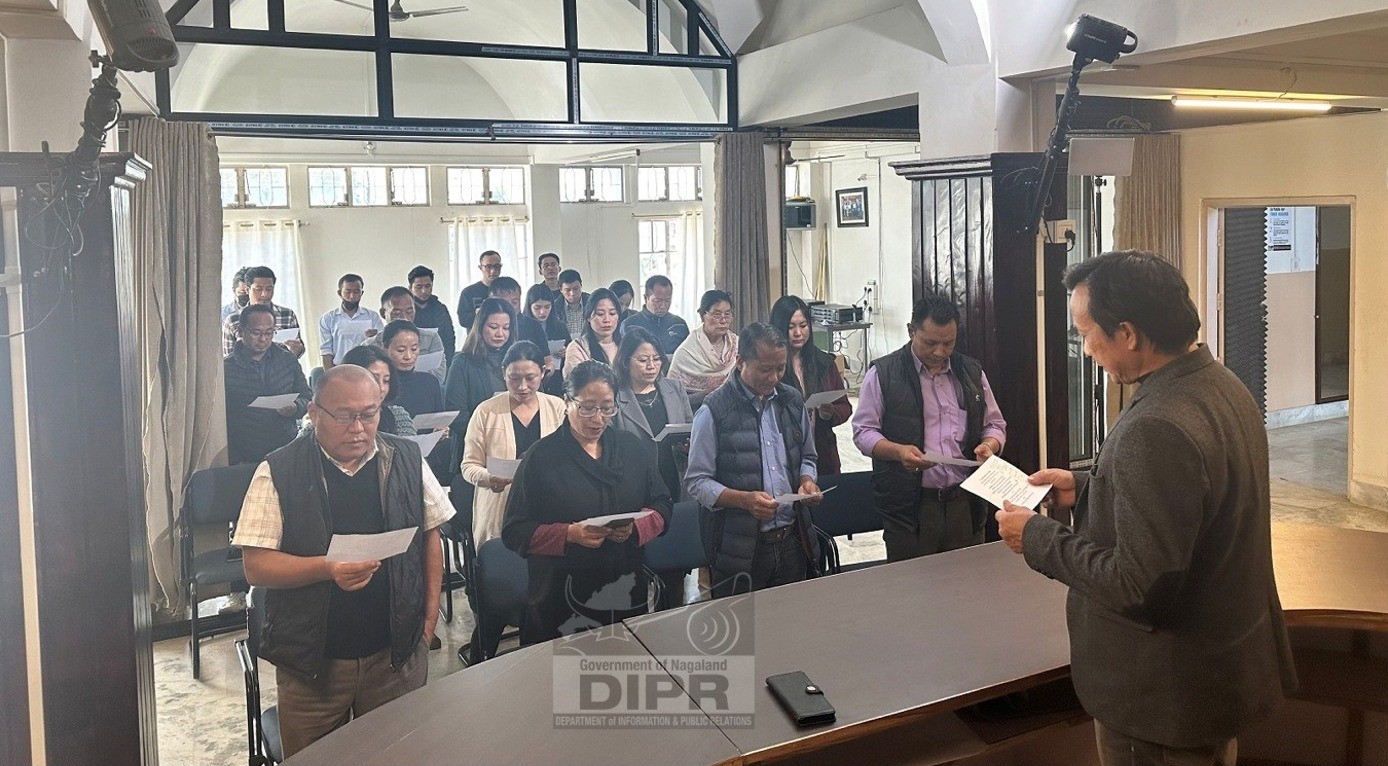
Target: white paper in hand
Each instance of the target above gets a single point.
(423, 331)
(556, 347)
(273, 402)
(502, 468)
(998, 480)
(284, 336)
(939, 458)
(674, 429)
(357, 548)
(616, 519)
(428, 441)
(793, 497)
(815, 401)
(429, 362)
(431, 420)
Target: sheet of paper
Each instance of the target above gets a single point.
(556, 347)
(795, 498)
(998, 480)
(428, 441)
(273, 402)
(284, 336)
(431, 420)
(429, 331)
(616, 519)
(429, 362)
(502, 468)
(674, 429)
(378, 547)
(822, 398)
(943, 459)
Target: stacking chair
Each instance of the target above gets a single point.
(262, 726)
(674, 553)
(213, 498)
(848, 510)
(458, 553)
(499, 583)
(315, 377)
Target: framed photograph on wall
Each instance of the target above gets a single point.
(852, 206)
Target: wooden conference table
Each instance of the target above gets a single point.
(896, 648)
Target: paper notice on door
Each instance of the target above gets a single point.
(998, 480)
(356, 548)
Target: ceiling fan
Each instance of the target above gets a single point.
(398, 13)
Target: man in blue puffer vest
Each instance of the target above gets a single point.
(752, 443)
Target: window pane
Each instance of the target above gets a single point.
(507, 185)
(505, 22)
(469, 88)
(643, 236)
(679, 95)
(213, 77)
(267, 187)
(230, 193)
(612, 25)
(573, 185)
(607, 184)
(465, 186)
(409, 186)
(327, 187)
(368, 186)
(658, 238)
(650, 184)
(684, 183)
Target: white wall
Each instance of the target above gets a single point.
(1317, 157)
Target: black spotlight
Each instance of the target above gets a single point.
(1099, 40)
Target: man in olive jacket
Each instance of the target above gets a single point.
(1177, 641)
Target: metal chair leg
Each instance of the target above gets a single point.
(193, 627)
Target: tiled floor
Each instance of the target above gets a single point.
(202, 723)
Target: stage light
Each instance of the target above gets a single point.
(1275, 105)
(1099, 40)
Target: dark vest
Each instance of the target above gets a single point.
(896, 490)
(296, 619)
(730, 534)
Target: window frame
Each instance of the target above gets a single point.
(589, 191)
(243, 196)
(389, 196)
(665, 174)
(487, 193)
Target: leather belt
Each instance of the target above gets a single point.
(778, 534)
(943, 495)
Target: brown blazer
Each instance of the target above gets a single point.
(1176, 630)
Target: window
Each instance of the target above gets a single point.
(367, 186)
(255, 187)
(486, 186)
(797, 181)
(677, 183)
(409, 186)
(590, 185)
(658, 244)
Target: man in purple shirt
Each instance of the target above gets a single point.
(926, 397)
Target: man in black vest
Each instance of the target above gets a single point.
(927, 397)
(344, 637)
(752, 443)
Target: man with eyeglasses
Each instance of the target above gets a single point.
(262, 280)
(669, 330)
(345, 637)
(258, 366)
(489, 264)
(752, 444)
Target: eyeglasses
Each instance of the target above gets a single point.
(589, 410)
(491, 267)
(261, 333)
(647, 361)
(347, 418)
(721, 315)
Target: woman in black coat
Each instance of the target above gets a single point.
(584, 577)
(476, 372)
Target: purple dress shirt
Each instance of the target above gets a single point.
(944, 422)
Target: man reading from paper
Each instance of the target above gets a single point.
(1177, 641)
(927, 397)
(344, 637)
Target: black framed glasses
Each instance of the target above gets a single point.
(347, 418)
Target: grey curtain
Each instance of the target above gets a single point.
(177, 227)
(1147, 204)
(741, 248)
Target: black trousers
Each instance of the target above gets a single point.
(780, 559)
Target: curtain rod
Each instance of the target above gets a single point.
(264, 223)
(667, 215)
(484, 218)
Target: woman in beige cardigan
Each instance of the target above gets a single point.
(504, 427)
